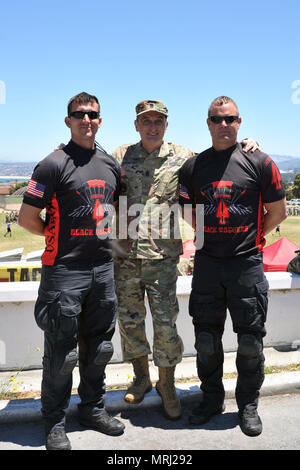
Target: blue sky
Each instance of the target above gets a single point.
(184, 53)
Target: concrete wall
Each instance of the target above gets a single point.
(20, 338)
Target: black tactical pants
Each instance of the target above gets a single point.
(238, 284)
(76, 306)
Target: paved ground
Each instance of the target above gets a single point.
(147, 429)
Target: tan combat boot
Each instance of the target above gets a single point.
(166, 389)
(141, 383)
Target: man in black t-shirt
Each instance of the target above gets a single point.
(243, 199)
(78, 186)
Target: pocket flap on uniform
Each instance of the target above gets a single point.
(201, 298)
(48, 296)
(262, 287)
(70, 304)
(201, 304)
(109, 305)
(70, 311)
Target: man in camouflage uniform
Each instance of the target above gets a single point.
(148, 261)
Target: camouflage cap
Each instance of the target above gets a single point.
(151, 105)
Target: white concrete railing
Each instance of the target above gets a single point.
(20, 337)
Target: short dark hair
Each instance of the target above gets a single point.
(220, 101)
(82, 97)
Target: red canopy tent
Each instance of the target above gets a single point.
(277, 256)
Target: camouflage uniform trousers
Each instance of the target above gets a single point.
(158, 278)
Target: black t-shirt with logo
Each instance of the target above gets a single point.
(78, 187)
(232, 186)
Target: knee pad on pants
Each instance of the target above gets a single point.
(249, 346)
(205, 343)
(69, 361)
(103, 353)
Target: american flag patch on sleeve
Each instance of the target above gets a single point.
(35, 188)
(183, 192)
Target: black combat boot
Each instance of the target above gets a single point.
(104, 423)
(250, 422)
(56, 439)
(204, 412)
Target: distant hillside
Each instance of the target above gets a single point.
(286, 163)
(17, 168)
(288, 166)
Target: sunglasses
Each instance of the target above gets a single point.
(81, 114)
(227, 119)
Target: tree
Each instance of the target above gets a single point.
(296, 189)
(13, 189)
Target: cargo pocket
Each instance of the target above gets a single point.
(70, 308)
(46, 310)
(243, 313)
(108, 311)
(205, 309)
(165, 185)
(262, 298)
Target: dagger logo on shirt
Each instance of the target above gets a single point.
(96, 195)
(222, 200)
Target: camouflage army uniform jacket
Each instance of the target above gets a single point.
(150, 181)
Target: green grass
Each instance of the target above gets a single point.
(20, 238)
(289, 228)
